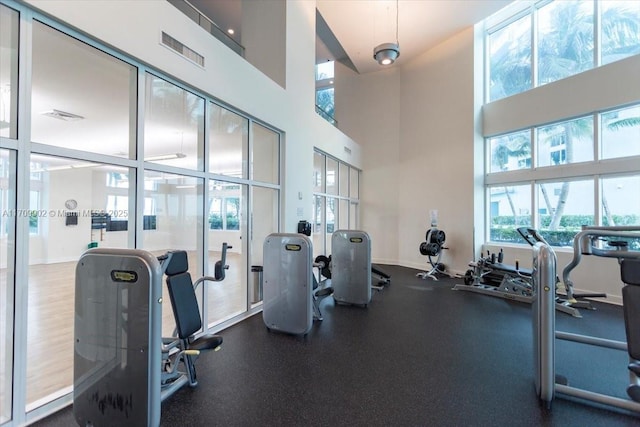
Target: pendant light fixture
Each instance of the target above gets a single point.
(387, 53)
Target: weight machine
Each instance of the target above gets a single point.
(490, 276)
(123, 367)
(590, 241)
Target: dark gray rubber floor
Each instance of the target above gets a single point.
(421, 354)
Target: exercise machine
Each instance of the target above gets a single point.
(288, 283)
(123, 367)
(323, 264)
(322, 285)
(432, 248)
(351, 267)
(490, 276)
(381, 277)
(590, 241)
(186, 312)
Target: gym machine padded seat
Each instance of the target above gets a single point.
(185, 305)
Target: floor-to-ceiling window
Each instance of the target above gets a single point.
(264, 170)
(9, 30)
(566, 172)
(335, 200)
(112, 153)
(7, 282)
(71, 215)
(82, 104)
(227, 207)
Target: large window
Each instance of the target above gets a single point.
(9, 19)
(228, 142)
(559, 173)
(227, 224)
(565, 39)
(510, 59)
(9, 48)
(335, 201)
(620, 131)
(565, 142)
(265, 154)
(564, 42)
(560, 207)
(102, 87)
(325, 98)
(63, 186)
(178, 200)
(174, 125)
(510, 152)
(7, 278)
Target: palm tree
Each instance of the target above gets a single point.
(325, 102)
(514, 146)
(563, 135)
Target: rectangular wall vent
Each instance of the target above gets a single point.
(347, 150)
(183, 50)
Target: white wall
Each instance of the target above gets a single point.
(227, 77)
(416, 127)
(436, 158)
(367, 108)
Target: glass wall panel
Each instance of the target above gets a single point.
(509, 208)
(620, 132)
(82, 98)
(173, 206)
(566, 142)
(227, 206)
(353, 216)
(9, 27)
(620, 37)
(621, 200)
(264, 220)
(318, 172)
(332, 176)
(565, 39)
(331, 217)
(228, 143)
(318, 234)
(173, 125)
(325, 103)
(325, 70)
(563, 208)
(354, 183)
(7, 283)
(343, 178)
(265, 157)
(58, 188)
(343, 215)
(510, 152)
(510, 59)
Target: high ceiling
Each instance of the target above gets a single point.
(360, 25)
(355, 27)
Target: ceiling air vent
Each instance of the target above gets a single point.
(183, 50)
